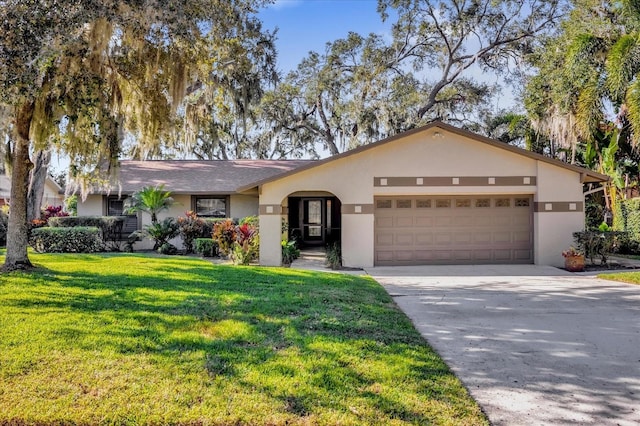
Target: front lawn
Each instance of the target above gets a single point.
(627, 277)
(131, 339)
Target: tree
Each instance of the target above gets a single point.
(362, 89)
(450, 37)
(585, 92)
(81, 75)
(151, 200)
(591, 64)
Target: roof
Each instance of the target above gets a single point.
(200, 177)
(586, 174)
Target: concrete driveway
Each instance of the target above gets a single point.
(534, 345)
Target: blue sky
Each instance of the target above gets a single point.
(305, 25)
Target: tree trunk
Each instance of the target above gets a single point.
(18, 229)
(36, 184)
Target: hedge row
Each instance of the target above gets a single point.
(110, 226)
(79, 239)
(627, 219)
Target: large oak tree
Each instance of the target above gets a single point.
(81, 75)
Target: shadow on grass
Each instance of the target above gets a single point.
(308, 340)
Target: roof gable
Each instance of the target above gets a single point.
(586, 174)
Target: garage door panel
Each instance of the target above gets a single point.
(502, 237)
(522, 254)
(442, 238)
(424, 222)
(522, 237)
(441, 221)
(482, 237)
(384, 240)
(384, 222)
(404, 239)
(441, 229)
(404, 221)
(424, 239)
(464, 238)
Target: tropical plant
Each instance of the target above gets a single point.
(290, 252)
(245, 248)
(334, 255)
(224, 234)
(162, 232)
(191, 227)
(151, 200)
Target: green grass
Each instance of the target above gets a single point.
(131, 339)
(627, 277)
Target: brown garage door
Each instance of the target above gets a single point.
(453, 230)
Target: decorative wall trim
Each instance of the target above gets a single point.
(272, 209)
(357, 209)
(456, 181)
(558, 206)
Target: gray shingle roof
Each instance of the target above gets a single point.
(201, 177)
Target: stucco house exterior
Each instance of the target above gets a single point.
(53, 193)
(433, 195)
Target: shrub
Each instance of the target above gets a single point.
(110, 226)
(290, 252)
(162, 232)
(245, 248)
(598, 243)
(206, 247)
(79, 239)
(209, 223)
(190, 227)
(167, 248)
(52, 211)
(224, 234)
(4, 221)
(334, 256)
(250, 220)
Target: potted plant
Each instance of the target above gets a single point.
(573, 260)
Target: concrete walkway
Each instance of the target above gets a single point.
(534, 345)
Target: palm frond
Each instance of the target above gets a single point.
(622, 64)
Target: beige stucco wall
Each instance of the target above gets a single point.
(553, 231)
(243, 206)
(425, 154)
(91, 206)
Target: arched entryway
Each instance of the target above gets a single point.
(314, 218)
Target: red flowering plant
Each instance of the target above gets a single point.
(245, 248)
(190, 227)
(46, 213)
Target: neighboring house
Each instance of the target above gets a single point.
(53, 193)
(433, 195)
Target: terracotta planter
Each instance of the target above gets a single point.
(574, 263)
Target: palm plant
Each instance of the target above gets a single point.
(151, 200)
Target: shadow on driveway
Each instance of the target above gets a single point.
(539, 347)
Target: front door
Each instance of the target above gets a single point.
(313, 220)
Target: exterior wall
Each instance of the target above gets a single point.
(51, 196)
(92, 206)
(553, 230)
(432, 153)
(243, 206)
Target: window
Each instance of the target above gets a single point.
(115, 207)
(443, 204)
(463, 203)
(483, 202)
(503, 202)
(210, 206)
(403, 204)
(383, 204)
(423, 204)
(522, 202)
